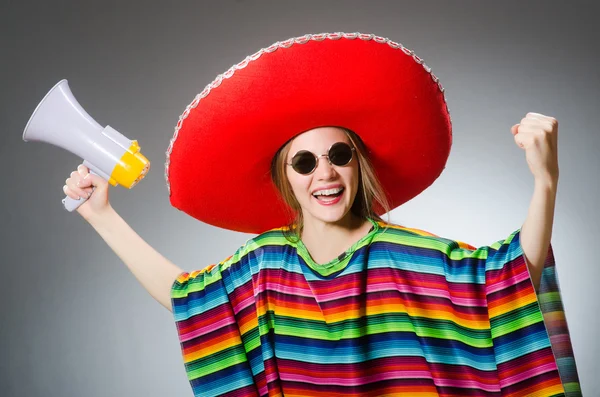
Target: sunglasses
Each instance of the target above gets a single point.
(305, 162)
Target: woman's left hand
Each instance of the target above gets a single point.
(538, 136)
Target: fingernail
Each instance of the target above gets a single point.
(85, 177)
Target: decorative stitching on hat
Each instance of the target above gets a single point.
(287, 44)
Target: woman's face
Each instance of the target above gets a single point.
(340, 181)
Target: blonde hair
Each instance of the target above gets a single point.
(369, 196)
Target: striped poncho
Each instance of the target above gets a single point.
(401, 312)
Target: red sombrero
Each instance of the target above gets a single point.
(218, 161)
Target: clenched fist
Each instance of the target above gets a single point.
(80, 184)
(538, 136)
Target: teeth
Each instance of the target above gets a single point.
(327, 192)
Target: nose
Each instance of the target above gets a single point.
(325, 170)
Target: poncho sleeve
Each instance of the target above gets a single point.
(215, 315)
(529, 330)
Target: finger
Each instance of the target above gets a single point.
(537, 116)
(75, 178)
(72, 184)
(530, 120)
(80, 180)
(85, 181)
(519, 144)
(92, 180)
(88, 190)
(528, 128)
(546, 121)
(82, 170)
(72, 193)
(522, 140)
(533, 124)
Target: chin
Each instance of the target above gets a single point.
(334, 213)
(330, 215)
(330, 218)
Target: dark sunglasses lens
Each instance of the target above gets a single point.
(304, 162)
(340, 154)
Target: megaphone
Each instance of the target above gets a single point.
(61, 121)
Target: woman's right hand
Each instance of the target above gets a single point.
(80, 184)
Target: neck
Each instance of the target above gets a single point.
(326, 240)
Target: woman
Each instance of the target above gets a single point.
(340, 302)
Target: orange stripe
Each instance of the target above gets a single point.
(548, 388)
(353, 311)
(208, 346)
(516, 303)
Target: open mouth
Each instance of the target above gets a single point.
(329, 196)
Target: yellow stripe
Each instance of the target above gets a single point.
(209, 349)
(499, 310)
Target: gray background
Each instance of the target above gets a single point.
(75, 322)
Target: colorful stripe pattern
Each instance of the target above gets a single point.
(402, 312)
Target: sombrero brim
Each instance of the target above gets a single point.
(218, 162)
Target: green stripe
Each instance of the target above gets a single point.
(516, 319)
(350, 329)
(215, 362)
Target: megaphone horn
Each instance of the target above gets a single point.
(61, 121)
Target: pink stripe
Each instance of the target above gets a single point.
(205, 330)
(388, 286)
(243, 304)
(528, 374)
(560, 338)
(273, 286)
(323, 298)
(272, 377)
(433, 292)
(507, 282)
(356, 381)
(466, 383)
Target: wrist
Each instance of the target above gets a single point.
(548, 183)
(98, 219)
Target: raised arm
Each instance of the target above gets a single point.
(153, 271)
(536, 232)
(538, 136)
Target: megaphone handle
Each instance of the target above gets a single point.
(72, 204)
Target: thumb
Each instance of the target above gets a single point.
(92, 180)
(515, 129)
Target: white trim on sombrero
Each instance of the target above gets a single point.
(287, 44)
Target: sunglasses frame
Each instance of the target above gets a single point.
(352, 150)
